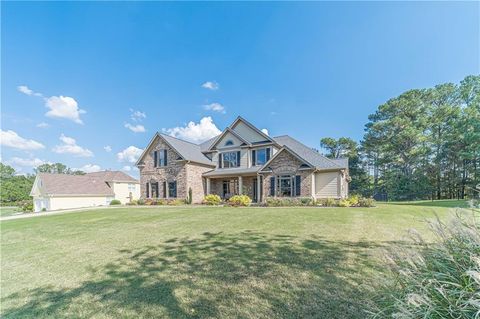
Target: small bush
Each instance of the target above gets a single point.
(306, 201)
(27, 206)
(141, 201)
(132, 203)
(240, 200)
(343, 203)
(212, 199)
(366, 202)
(115, 202)
(435, 280)
(44, 209)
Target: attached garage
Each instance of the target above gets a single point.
(331, 185)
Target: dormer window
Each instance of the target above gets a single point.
(229, 143)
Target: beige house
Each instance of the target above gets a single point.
(240, 160)
(62, 191)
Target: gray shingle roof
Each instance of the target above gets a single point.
(206, 145)
(63, 184)
(113, 176)
(305, 152)
(189, 151)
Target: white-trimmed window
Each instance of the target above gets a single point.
(260, 156)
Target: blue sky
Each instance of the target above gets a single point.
(90, 74)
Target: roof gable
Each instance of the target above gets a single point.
(228, 134)
(248, 131)
(279, 153)
(186, 150)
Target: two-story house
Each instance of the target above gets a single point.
(240, 160)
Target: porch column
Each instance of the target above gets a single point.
(208, 185)
(166, 189)
(240, 185)
(314, 194)
(259, 189)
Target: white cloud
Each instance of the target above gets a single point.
(265, 131)
(211, 85)
(70, 146)
(89, 168)
(107, 148)
(135, 128)
(216, 107)
(130, 154)
(137, 115)
(195, 132)
(12, 139)
(26, 90)
(42, 125)
(127, 168)
(64, 107)
(26, 162)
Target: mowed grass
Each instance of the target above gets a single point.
(204, 262)
(9, 211)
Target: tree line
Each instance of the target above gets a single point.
(423, 144)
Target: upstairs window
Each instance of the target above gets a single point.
(160, 158)
(260, 156)
(229, 159)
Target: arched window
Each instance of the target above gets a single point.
(228, 143)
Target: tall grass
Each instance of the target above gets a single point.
(439, 279)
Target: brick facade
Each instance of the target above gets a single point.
(287, 164)
(185, 174)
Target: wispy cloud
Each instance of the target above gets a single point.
(195, 132)
(26, 90)
(70, 146)
(26, 162)
(11, 139)
(216, 107)
(107, 148)
(136, 115)
(89, 168)
(211, 85)
(135, 128)
(42, 125)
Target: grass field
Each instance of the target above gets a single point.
(9, 211)
(205, 262)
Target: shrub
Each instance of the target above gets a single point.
(240, 200)
(132, 203)
(190, 196)
(141, 201)
(366, 202)
(436, 280)
(328, 202)
(354, 199)
(26, 206)
(343, 203)
(212, 199)
(306, 201)
(115, 202)
(44, 209)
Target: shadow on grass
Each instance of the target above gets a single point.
(244, 275)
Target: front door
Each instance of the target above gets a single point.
(256, 197)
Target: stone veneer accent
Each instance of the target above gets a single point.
(186, 174)
(287, 163)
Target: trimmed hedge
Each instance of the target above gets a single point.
(240, 200)
(212, 199)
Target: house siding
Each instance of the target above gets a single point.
(327, 185)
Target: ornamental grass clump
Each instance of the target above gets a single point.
(436, 280)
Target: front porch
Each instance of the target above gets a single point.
(228, 186)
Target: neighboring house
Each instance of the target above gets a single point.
(240, 160)
(62, 191)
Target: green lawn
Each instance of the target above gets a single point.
(9, 211)
(206, 262)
